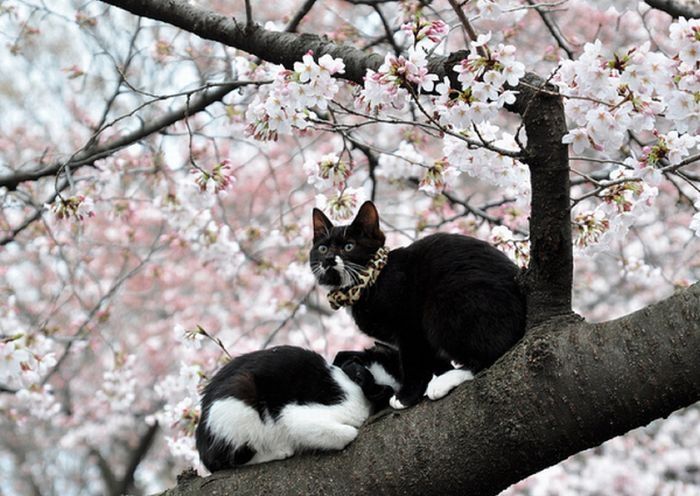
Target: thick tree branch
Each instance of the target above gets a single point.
(553, 395)
(677, 8)
(549, 277)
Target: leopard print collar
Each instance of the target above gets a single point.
(348, 296)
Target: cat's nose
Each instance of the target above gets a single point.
(329, 262)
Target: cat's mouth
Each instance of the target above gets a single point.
(336, 276)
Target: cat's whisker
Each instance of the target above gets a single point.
(353, 273)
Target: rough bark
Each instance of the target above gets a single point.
(677, 8)
(553, 395)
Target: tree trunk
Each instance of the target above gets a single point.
(555, 394)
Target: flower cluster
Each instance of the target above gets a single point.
(516, 249)
(437, 176)
(180, 413)
(424, 32)
(589, 227)
(695, 222)
(626, 199)
(329, 170)
(394, 81)
(501, 170)
(483, 78)
(25, 359)
(342, 204)
(631, 89)
(391, 84)
(292, 95)
(220, 178)
(79, 207)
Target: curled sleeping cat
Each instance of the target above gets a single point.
(269, 404)
(445, 299)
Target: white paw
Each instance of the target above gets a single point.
(456, 365)
(440, 385)
(395, 403)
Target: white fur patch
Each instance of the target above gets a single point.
(345, 279)
(396, 404)
(440, 385)
(298, 427)
(382, 377)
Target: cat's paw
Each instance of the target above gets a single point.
(406, 397)
(440, 385)
(396, 404)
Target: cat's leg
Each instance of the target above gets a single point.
(442, 384)
(317, 427)
(268, 456)
(416, 358)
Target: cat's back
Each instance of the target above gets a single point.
(444, 254)
(268, 404)
(269, 379)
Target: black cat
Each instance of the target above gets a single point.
(445, 298)
(269, 404)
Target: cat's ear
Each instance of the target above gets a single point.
(322, 224)
(367, 219)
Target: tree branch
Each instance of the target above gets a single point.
(126, 483)
(553, 395)
(93, 153)
(299, 16)
(677, 8)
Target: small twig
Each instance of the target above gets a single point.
(299, 16)
(387, 30)
(200, 330)
(282, 324)
(483, 49)
(553, 29)
(248, 15)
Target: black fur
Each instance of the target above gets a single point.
(444, 297)
(268, 380)
(356, 365)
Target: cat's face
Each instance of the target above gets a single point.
(340, 253)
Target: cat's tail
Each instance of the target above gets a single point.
(216, 454)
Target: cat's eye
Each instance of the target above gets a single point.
(323, 249)
(349, 246)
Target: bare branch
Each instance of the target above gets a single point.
(301, 13)
(553, 29)
(125, 485)
(483, 49)
(90, 154)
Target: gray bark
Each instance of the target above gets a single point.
(677, 8)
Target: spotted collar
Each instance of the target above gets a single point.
(349, 295)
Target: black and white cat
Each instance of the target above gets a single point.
(445, 299)
(270, 404)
